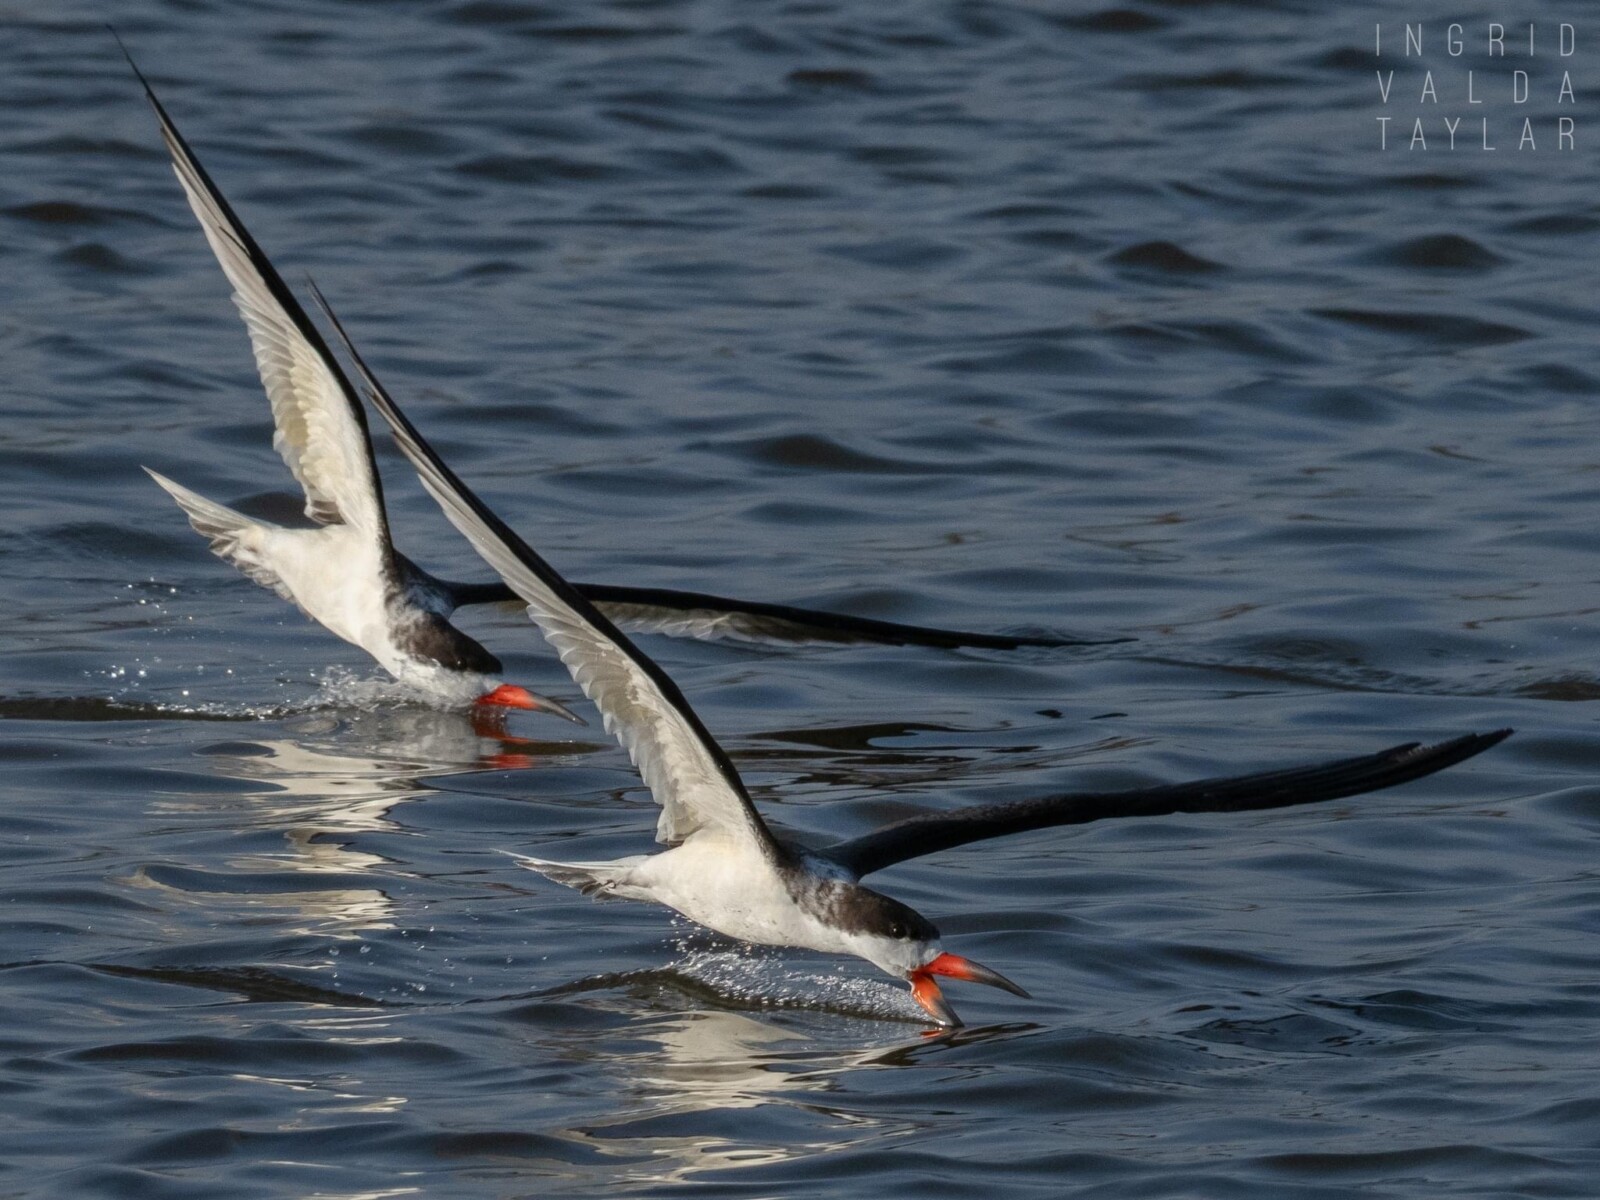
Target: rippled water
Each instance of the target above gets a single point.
(1105, 320)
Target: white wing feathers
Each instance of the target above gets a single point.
(319, 429)
(234, 537)
(668, 751)
(689, 775)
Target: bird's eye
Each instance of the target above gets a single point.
(897, 930)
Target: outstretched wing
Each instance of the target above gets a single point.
(321, 429)
(918, 836)
(678, 613)
(689, 775)
(703, 615)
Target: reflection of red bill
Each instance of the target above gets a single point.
(511, 762)
(491, 723)
(925, 989)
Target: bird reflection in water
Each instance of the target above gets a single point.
(711, 1062)
(657, 1068)
(334, 776)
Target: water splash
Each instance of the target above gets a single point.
(755, 977)
(340, 687)
(144, 688)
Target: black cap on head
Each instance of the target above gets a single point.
(857, 909)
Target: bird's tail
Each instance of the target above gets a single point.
(234, 537)
(600, 879)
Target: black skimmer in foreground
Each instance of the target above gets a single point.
(346, 573)
(726, 869)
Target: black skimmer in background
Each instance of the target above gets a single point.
(725, 868)
(347, 575)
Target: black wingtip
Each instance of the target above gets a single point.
(327, 309)
(1313, 784)
(133, 66)
(168, 130)
(1461, 748)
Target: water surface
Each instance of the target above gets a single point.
(1102, 320)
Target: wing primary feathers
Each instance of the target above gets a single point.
(224, 223)
(258, 259)
(675, 611)
(787, 622)
(928, 834)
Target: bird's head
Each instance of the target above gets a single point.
(451, 662)
(901, 941)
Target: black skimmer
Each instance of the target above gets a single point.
(725, 868)
(346, 573)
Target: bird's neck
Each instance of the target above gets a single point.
(479, 593)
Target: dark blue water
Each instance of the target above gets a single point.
(1095, 319)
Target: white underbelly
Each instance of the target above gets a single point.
(335, 575)
(732, 889)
